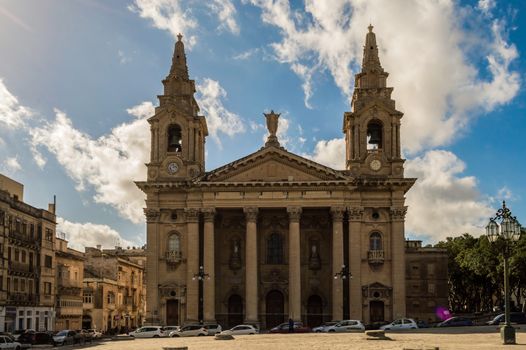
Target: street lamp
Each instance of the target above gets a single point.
(343, 274)
(505, 230)
(201, 275)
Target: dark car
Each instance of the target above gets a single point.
(422, 324)
(515, 317)
(456, 322)
(284, 328)
(38, 338)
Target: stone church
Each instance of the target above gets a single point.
(273, 236)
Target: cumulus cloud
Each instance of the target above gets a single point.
(428, 57)
(443, 201)
(109, 164)
(11, 165)
(330, 153)
(80, 235)
(210, 97)
(12, 114)
(176, 16)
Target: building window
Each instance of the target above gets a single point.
(174, 138)
(48, 261)
(32, 230)
(374, 135)
(431, 288)
(275, 249)
(111, 298)
(375, 241)
(2, 217)
(23, 285)
(30, 286)
(24, 256)
(49, 235)
(17, 255)
(88, 298)
(174, 243)
(15, 284)
(47, 288)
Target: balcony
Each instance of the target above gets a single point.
(173, 257)
(21, 239)
(68, 283)
(20, 269)
(375, 257)
(21, 299)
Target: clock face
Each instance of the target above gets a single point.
(173, 168)
(375, 165)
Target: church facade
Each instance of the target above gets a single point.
(273, 236)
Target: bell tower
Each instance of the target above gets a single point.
(178, 132)
(372, 128)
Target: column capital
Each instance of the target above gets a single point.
(355, 213)
(192, 214)
(251, 213)
(337, 213)
(209, 214)
(398, 213)
(152, 214)
(294, 213)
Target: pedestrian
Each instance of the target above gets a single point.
(291, 325)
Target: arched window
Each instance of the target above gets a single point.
(374, 134)
(275, 249)
(375, 241)
(174, 243)
(174, 138)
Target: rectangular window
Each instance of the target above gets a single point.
(15, 284)
(431, 288)
(47, 288)
(49, 235)
(17, 255)
(48, 261)
(24, 228)
(30, 286)
(23, 286)
(24, 256)
(2, 217)
(88, 298)
(32, 231)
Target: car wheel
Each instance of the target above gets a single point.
(200, 335)
(251, 333)
(156, 336)
(332, 331)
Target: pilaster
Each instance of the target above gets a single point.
(398, 260)
(294, 263)
(337, 261)
(192, 264)
(251, 270)
(152, 265)
(355, 262)
(209, 267)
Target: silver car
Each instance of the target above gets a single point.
(346, 326)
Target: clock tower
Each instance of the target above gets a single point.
(178, 132)
(372, 129)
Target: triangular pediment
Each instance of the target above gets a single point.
(271, 164)
(378, 104)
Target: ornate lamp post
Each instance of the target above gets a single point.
(201, 276)
(343, 274)
(504, 230)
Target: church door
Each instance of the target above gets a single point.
(314, 311)
(275, 308)
(172, 312)
(376, 308)
(235, 310)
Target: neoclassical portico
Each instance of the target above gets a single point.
(272, 229)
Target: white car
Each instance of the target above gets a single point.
(213, 329)
(323, 327)
(190, 330)
(241, 330)
(95, 334)
(8, 343)
(346, 326)
(402, 323)
(169, 329)
(148, 332)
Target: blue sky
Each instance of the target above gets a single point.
(79, 78)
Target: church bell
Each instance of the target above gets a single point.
(375, 137)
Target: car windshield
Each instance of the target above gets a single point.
(62, 333)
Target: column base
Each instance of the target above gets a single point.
(507, 334)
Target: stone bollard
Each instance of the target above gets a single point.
(224, 337)
(376, 335)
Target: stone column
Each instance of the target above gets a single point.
(152, 265)
(294, 263)
(398, 260)
(209, 314)
(355, 262)
(337, 262)
(192, 264)
(251, 266)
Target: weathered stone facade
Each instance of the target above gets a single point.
(27, 264)
(272, 229)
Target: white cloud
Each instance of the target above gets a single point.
(246, 54)
(443, 202)
(330, 153)
(178, 16)
(219, 119)
(11, 165)
(109, 164)
(123, 58)
(486, 5)
(12, 114)
(428, 57)
(80, 235)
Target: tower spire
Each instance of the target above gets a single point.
(371, 61)
(179, 68)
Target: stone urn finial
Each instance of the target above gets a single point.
(272, 126)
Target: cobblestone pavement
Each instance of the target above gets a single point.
(483, 338)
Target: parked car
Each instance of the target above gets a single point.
(190, 330)
(19, 332)
(401, 323)
(39, 338)
(84, 335)
(284, 328)
(65, 337)
(422, 324)
(148, 332)
(241, 330)
(169, 329)
(7, 342)
(456, 322)
(515, 317)
(213, 329)
(95, 333)
(346, 326)
(323, 326)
